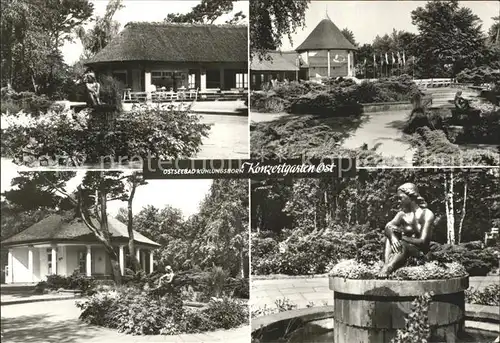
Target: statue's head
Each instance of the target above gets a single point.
(408, 194)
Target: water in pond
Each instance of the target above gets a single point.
(322, 335)
(382, 129)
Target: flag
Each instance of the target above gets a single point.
(393, 59)
(386, 59)
(374, 60)
(399, 58)
(381, 60)
(404, 60)
(364, 62)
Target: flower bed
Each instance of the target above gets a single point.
(352, 269)
(132, 311)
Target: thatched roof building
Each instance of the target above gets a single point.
(147, 56)
(167, 42)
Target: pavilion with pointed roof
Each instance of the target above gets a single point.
(61, 244)
(327, 52)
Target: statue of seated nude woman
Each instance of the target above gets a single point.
(409, 233)
(93, 88)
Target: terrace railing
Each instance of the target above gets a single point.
(183, 95)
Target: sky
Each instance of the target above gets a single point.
(367, 19)
(144, 10)
(186, 195)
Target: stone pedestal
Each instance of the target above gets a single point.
(373, 310)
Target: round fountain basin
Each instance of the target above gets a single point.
(373, 310)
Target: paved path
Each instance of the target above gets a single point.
(57, 322)
(228, 137)
(301, 290)
(384, 128)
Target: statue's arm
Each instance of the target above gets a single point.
(425, 236)
(393, 224)
(389, 232)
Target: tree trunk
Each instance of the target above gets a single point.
(131, 244)
(463, 213)
(115, 264)
(242, 263)
(450, 217)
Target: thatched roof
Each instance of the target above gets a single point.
(279, 61)
(167, 42)
(325, 36)
(58, 227)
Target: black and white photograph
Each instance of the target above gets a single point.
(391, 255)
(106, 256)
(110, 83)
(394, 83)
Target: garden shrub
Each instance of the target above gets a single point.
(82, 282)
(490, 295)
(144, 313)
(75, 281)
(335, 102)
(111, 91)
(227, 313)
(477, 261)
(479, 75)
(433, 148)
(484, 130)
(28, 102)
(145, 131)
(314, 255)
(335, 97)
(237, 287)
(57, 282)
(215, 282)
(40, 287)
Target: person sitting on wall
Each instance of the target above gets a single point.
(460, 102)
(168, 277)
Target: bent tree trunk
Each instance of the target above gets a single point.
(102, 233)
(115, 264)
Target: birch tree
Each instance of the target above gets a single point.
(449, 207)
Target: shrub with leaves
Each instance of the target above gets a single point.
(489, 295)
(145, 131)
(75, 281)
(28, 102)
(132, 311)
(417, 328)
(335, 97)
(476, 260)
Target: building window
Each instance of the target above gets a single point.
(121, 76)
(82, 261)
(167, 80)
(241, 80)
(49, 261)
(192, 81)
